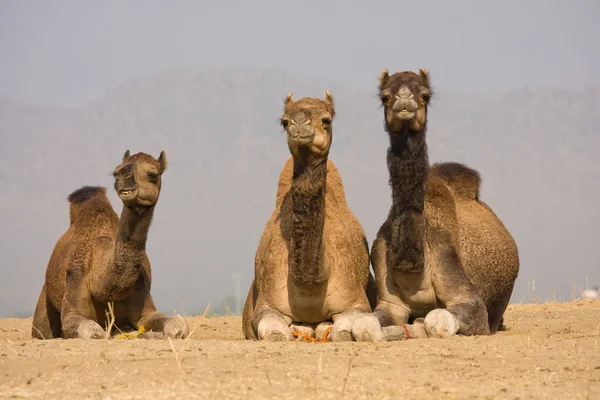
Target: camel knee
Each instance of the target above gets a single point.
(176, 328)
(75, 326)
(440, 323)
(274, 329)
(366, 328)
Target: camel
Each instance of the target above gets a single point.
(312, 262)
(102, 258)
(442, 260)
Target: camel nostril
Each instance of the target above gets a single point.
(301, 119)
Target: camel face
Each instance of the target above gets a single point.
(138, 179)
(405, 97)
(308, 126)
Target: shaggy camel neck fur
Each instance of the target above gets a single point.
(307, 261)
(312, 262)
(442, 254)
(102, 258)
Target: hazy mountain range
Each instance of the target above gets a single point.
(538, 150)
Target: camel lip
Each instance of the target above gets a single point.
(301, 140)
(128, 194)
(405, 115)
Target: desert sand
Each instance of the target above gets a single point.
(549, 351)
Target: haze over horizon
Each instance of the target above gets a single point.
(518, 98)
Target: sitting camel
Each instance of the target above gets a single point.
(102, 259)
(442, 253)
(312, 262)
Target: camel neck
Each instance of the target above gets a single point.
(115, 278)
(134, 226)
(306, 257)
(408, 165)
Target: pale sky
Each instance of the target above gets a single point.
(70, 52)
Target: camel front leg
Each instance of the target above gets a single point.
(465, 312)
(46, 319)
(78, 314)
(271, 325)
(141, 311)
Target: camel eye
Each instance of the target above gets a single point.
(426, 97)
(284, 123)
(385, 99)
(153, 176)
(326, 121)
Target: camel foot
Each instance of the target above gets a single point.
(322, 332)
(89, 329)
(176, 328)
(366, 328)
(440, 323)
(342, 329)
(274, 329)
(303, 330)
(405, 331)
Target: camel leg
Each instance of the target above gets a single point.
(141, 311)
(78, 315)
(372, 291)
(465, 311)
(356, 323)
(496, 313)
(390, 313)
(248, 313)
(46, 319)
(271, 325)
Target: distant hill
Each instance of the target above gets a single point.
(538, 150)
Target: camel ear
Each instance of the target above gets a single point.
(384, 77)
(162, 161)
(126, 155)
(329, 103)
(288, 102)
(424, 74)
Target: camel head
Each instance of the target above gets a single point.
(308, 126)
(405, 97)
(138, 179)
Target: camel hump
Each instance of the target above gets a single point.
(85, 200)
(86, 193)
(463, 180)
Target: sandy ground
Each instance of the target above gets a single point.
(549, 351)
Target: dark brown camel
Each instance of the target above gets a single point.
(442, 253)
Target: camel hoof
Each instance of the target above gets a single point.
(303, 330)
(342, 329)
(321, 331)
(274, 329)
(90, 330)
(176, 328)
(366, 328)
(393, 333)
(440, 323)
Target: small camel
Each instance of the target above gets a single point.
(102, 259)
(442, 253)
(312, 262)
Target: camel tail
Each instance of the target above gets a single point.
(463, 180)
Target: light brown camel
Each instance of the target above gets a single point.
(442, 253)
(312, 262)
(102, 258)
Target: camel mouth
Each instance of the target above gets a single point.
(128, 194)
(405, 115)
(301, 139)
